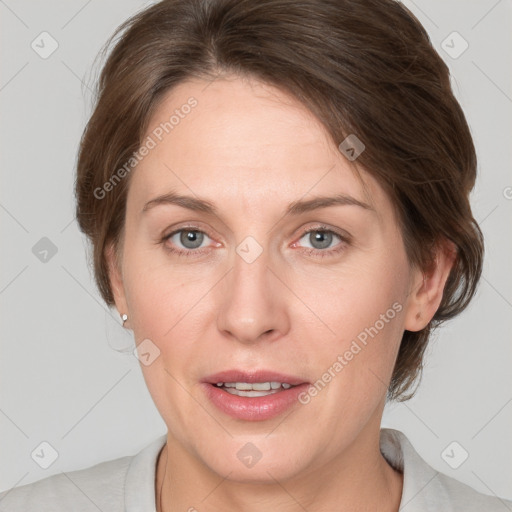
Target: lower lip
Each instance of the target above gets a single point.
(257, 408)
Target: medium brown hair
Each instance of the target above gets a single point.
(364, 67)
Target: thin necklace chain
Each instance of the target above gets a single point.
(163, 480)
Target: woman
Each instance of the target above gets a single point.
(276, 193)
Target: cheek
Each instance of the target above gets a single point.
(169, 309)
(363, 305)
(176, 311)
(353, 296)
(159, 296)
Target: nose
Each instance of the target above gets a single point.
(253, 302)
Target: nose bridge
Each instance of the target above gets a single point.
(251, 303)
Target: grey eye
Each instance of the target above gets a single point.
(190, 239)
(320, 239)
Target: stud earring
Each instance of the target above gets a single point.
(124, 317)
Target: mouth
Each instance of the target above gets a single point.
(253, 396)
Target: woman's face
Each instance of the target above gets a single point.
(229, 280)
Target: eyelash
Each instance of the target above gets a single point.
(318, 253)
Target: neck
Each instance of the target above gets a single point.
(356, 480)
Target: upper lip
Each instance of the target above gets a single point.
(253, 376)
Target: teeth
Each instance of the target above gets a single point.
(261, 386)
(243, 386)
(253, 386)
(251, 393)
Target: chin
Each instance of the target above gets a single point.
(257, 459)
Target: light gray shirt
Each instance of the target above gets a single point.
(128, 484)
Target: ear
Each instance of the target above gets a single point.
(427, 287)
(116, 280)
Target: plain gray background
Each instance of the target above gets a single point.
(65, 381)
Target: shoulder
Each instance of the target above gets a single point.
(99, 487)
(427, 490)
(463, 497)
(126, 483)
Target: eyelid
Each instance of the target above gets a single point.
(342, 234)
(190, 227)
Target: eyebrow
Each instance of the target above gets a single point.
(294, 208)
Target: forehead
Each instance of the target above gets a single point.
(243, 140)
